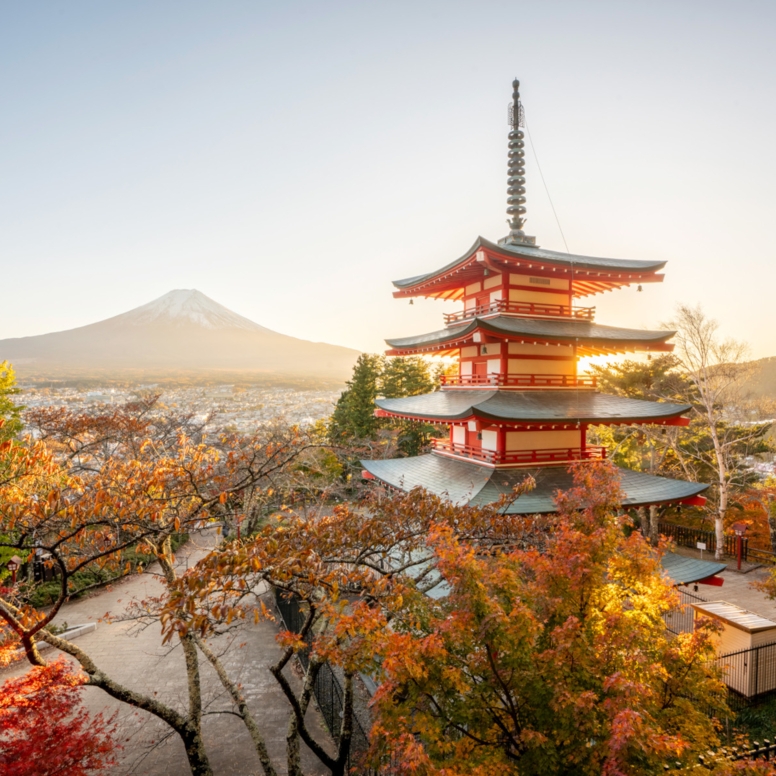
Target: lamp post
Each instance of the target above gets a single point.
(740, 529)
(13, 566)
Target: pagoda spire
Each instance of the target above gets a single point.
(516, 178)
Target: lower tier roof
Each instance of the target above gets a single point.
(531, 407)
(585, 334)
(468, 483)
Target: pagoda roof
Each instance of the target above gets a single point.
(684, 571)
(586, 334)
(468, 483)
(592, 273)
(531, 407)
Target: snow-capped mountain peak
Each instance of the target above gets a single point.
(188, 306)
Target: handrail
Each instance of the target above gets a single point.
(559, 454)
(494, 379)
(522, 308)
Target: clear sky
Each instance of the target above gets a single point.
(291, 159)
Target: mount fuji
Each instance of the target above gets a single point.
(183, 330)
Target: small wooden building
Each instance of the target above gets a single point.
(742, 639)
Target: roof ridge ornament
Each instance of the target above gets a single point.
(516, 179)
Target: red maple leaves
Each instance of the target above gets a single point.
(45, 729)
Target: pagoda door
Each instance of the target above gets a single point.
(480, 372)
(483, 304)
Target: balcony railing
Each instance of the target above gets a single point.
(522, 308)
(517, 381)
(553, 455)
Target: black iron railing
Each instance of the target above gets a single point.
(682, 618)
(328, 690)
(750, 672)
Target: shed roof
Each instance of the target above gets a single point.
(734, 615)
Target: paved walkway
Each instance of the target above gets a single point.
(737, 588)
(138, 659)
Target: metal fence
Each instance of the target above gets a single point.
(328, 690)
(681, 619)
(689, 537)
(750, 672)
(765, 751)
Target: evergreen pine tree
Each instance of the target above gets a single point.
(353, 417)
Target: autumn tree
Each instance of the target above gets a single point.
(552, 661)
(498, 641)
(354, 570)
(46, 731)
(100, 484)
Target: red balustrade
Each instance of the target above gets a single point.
(522, 308)
(552, 455)
(517, 380)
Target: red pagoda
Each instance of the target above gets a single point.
(517, 404)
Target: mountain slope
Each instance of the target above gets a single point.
(182, 330)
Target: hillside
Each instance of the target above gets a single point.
(183, 331)
(763, 379)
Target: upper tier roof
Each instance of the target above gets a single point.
(468, 483)
(592, 274)
(584, 333)
(532, 407)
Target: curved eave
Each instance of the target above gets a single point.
(591, 274)
(558, 409)
(468, 483)
(684, 571)
(590, 339)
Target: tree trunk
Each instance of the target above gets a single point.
(653, 529)
(292, 736)
(719, 520)
(242, 707)
(190, 735)
(346, 731)
(771, 506)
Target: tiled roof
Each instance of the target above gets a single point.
(470, 483)
(683, 571)
(531, 406)
(572, 331)
(543, 255)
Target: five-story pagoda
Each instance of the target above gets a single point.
(517, 405)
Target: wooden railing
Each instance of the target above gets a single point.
(553, 455)
(517, 380)
(522, 308)
(685, 536)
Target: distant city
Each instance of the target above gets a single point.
(234, 407)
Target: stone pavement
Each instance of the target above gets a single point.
(737, 588)
(137, 658)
